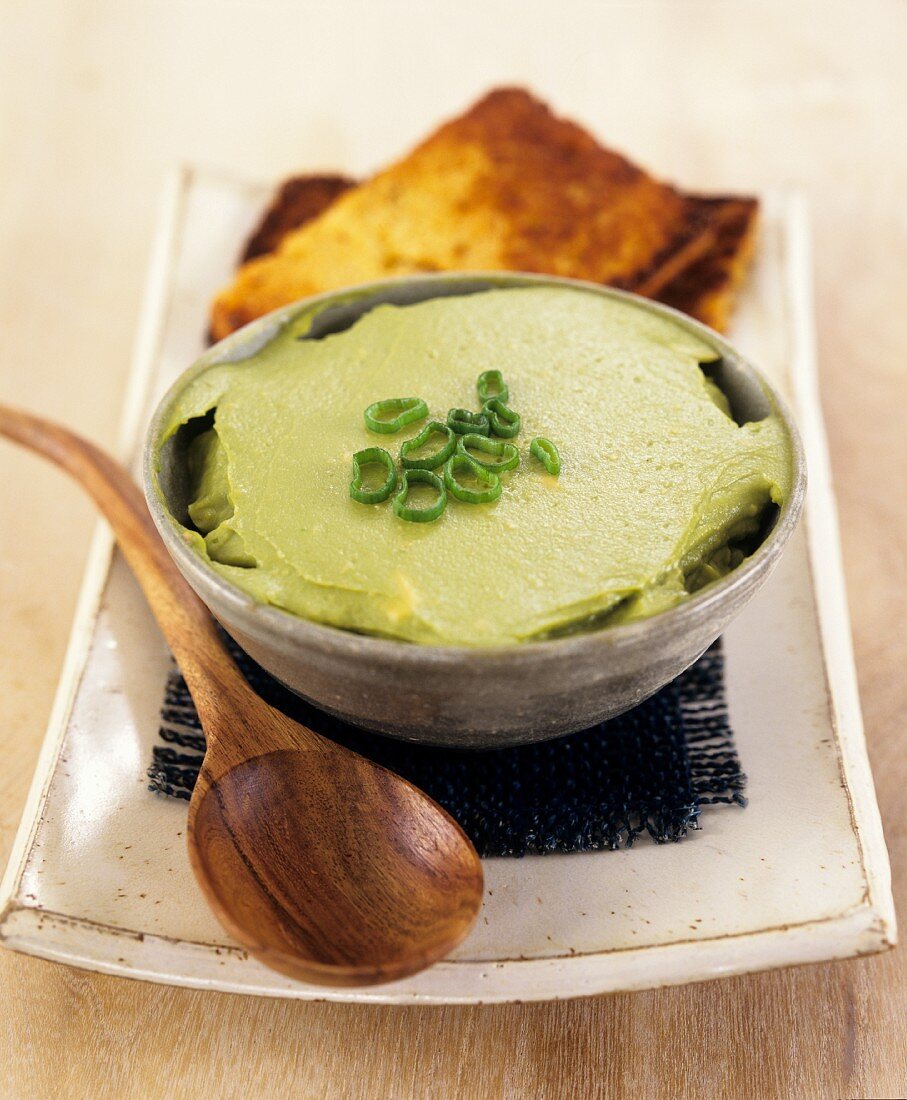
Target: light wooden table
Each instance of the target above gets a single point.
(97, 101)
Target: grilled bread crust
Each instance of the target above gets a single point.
(708, 288)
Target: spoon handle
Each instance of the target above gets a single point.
(209, 671)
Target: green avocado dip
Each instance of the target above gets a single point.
(659, 491)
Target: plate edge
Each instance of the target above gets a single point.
(852, 934)
(827, 567)
(168, 225)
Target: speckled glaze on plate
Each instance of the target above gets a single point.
(479, 698)
(99, 876)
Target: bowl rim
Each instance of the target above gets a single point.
(287, 627)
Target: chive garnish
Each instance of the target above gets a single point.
(408, 409)
(508, 457)
(462, 421)
(490, 481)
(491, 384)
(546, 452)
(420, 515)
(372, 455)
(502, 420)
(429, 462)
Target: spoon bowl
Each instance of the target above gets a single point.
(394, 896)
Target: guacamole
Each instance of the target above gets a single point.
(660, 490)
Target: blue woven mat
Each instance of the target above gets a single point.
(649, 771)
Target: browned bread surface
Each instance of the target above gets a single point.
(298, 200)
(507, 186)
(708, 288)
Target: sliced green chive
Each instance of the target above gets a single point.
(379, 418)
(503, 421)
(490, 482)
(546, 452)
(377, 456)
(507, 457)
(420, 515)
(491, 384)
(462, 421)
(438, 458)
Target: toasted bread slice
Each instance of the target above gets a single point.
(507, 186)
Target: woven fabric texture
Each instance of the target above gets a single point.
(647, 772)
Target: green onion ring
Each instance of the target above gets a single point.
(490, 480)
(546, 452)
(364, 458)
(490, 378)
(503, 420)
(508, 454)
(409, 409)
(420, 515)
(433, 460)
(464, 422)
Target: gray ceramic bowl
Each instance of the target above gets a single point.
(478, 698)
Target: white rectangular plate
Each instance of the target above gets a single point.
(99, 876)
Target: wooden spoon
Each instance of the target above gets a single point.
(325, 866)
